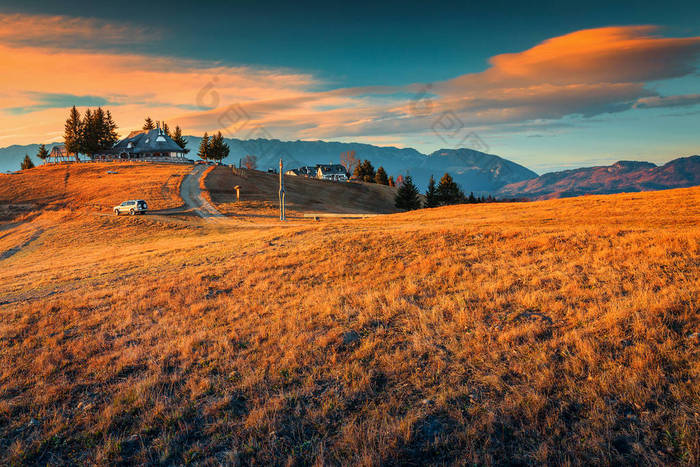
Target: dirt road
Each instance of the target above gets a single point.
(191, 195)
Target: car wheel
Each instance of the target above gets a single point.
(131, 212)
(116, 212)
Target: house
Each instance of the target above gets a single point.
(146, 145)
(334, 172)
(295, 172)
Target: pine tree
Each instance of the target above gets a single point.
(43, 152)
(472, 199)
(90, 134)
(391, 181)
(407, 196)
(72, 136)
(27, 163)
(166, 129)
(448, 192)
(365, 172)
(110, 136)
(177, 137)
(381, 177)
(204, 147)
(149, 125)
(218, 149)
(431, 198)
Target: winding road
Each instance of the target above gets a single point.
(191, 195)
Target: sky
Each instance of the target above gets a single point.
(550, 85)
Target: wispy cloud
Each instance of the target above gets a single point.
(54, 62)
(60, 32)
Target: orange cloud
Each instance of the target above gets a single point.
(64, 31)
(583, 73)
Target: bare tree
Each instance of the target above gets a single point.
(250, 162)
(349, 161)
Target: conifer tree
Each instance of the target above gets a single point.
(166, 129)
(149, 125)
(448, 192)
(218, 149)
(431, 198)
(43, 152)
(407, 196)
(73, 132)
(204, 147)
(178, 138)
(391, 181)
(27, 163)
(472, 199)
(110, 136)
(365, 172)
(381, 177)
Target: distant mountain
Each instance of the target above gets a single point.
(11, 156)
(622, 176)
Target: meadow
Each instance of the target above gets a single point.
(557, 332)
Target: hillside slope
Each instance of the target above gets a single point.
(623, 176)
(90, 185)
(547, 333)
(260, 194)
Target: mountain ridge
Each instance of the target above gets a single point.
(622, 176)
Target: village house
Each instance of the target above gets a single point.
(306, 171)
(335, 172)
(146, 145)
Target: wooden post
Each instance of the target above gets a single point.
(238, 192)
(282, 194)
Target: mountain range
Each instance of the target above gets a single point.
(475, 171)
(622, 176)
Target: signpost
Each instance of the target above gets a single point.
(282, 217)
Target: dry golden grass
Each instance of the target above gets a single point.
(260, 195)
(89, 186)
(557, 332)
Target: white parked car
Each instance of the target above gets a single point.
(134, 206)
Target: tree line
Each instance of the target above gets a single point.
(213, 148)
(91, 133)
(445, 193)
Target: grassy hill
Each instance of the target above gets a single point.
(553, 332)
(260, 194)
(90, 186)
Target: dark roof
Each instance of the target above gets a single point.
(332, 169)
(147, 142)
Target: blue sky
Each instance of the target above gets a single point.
(349, 72)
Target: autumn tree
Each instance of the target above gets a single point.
(250, 162)
(148, 124)
(349, 161)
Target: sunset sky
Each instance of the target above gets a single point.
(550, 86)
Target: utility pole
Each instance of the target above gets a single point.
(282, 217)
